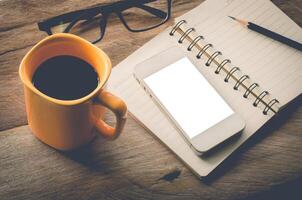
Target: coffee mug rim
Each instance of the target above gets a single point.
(30, 85)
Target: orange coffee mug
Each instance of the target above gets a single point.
(66, 125)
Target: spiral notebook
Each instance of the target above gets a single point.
(256, 75)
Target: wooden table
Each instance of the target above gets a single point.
(135, 166)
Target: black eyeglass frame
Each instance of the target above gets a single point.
(105, 10)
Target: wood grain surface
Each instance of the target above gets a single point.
(135, 166)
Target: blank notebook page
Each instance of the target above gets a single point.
(275, 66)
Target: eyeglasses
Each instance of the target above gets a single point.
(136, 15)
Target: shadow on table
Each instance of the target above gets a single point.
(290, 190)
(91, 156)
(272, 125)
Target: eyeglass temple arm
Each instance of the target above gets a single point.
(154, 11)
(69, 17)
(65, 18)
(149, 9)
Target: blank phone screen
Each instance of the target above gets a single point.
(188, 97)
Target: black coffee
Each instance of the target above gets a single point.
(65, 78)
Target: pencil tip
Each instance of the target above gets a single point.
(233, 18)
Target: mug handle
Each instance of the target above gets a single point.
(118, 107)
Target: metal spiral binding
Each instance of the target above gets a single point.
(212, 57)
(204, 49)
(230, 73)
(260, 97)
(240, 81)
(221, 66)
(250, 89)
(269, 106)
(181, 39)
(177, 26)
(192, 44)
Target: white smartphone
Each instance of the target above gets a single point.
(193, 105)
